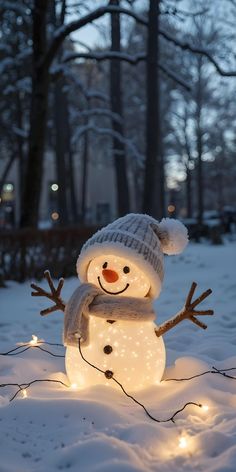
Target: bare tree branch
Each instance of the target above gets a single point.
(189, 47)
(6, 170)
(111, 133)
(133, 60)
(62, 32)
(172, 75)
(100, 112)
(103, 56)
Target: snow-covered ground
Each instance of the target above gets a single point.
(100, 429)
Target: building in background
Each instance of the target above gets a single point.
(100, 195)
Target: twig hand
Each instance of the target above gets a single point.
(189, 307)
(54, 295)
(188, 312)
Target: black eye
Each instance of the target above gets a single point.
(104, 265)
(126, 269)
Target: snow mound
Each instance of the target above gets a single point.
(99, 429)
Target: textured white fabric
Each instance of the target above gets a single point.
(88, 300)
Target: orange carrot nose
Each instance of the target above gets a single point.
(110, 275)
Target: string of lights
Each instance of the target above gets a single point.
(214, 370)
(133, 398)
(37, 344)
(24, 386)
(34, 343)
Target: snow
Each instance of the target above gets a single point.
(99, 429)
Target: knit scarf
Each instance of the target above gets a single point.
(88, 300)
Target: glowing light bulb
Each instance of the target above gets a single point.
(183, 443)
(34, 340)
(24, 393)
(73, 386)
(205, 407)
(55, 215)
(54, 187)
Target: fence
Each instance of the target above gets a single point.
(27, 253)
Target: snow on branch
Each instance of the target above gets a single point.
(97, 94)
(22, 133)
(111, 133)
(61, 33)
(89, 93)
(100, 112)
(179, 12)
(103, 56)
(197, 50)
(58, 69)
(14, 6)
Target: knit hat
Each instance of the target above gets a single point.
(140, 239)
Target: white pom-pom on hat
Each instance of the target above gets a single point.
(173, 236)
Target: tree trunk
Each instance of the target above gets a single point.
(189, 192)
(71, 172)
(64, 157)
(200, 184)
(38, 114)
(85, 152)
(19, 142)
(61, 151)
(6, 170)
(119, 154)
(85, 159)
(153, 198)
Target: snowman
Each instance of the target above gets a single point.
(109, 328)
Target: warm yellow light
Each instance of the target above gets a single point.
(110, 351)
(171, 208)
(24, 393)
(54, 187)
(55, 215)
(34, 340)
(183, 443)
(205, 407)
(134, 283)
(131, 351)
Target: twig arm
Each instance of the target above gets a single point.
(187, 312)
(54, 295)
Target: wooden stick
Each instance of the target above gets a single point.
(190, 294)
(202, 297)
(198, 323)
(54, 295)
(187, 312)
(202, 312)
(49, 310)
(47, 276)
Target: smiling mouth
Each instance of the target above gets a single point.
(112, 293)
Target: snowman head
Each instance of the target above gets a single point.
(118, 276)
(127, 256)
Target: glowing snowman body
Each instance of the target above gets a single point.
(130, 350)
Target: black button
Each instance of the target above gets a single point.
(111, 321)
(107, 349)
(108, 374)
